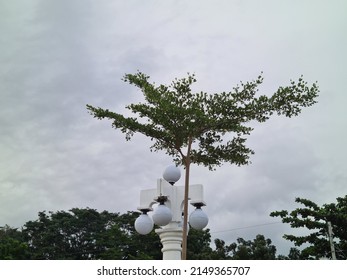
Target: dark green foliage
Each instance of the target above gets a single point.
(199, 244)
(294, 254)
(85, 234)
(315, 218)
(258, 249)
(222, 251)
(67, 235)
(12, 245)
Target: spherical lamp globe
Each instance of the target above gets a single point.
(198, 219)
(143, 224)
(172, 174)
(162, 215)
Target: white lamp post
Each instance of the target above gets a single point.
(168, 214)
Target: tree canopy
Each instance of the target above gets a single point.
(87, 234)
(260, 248)
(12, 245)
(175, 118)
(315, 218)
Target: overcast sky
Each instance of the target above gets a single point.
(58, 56)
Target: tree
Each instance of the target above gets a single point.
(191, 127)
(12, 245)
(256, 249)
(294, 254)
(67, 235)
(222, 251)
(315, 218)
(85, 234)
(199, 244)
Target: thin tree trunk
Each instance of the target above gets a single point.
(185, 213)
(185, 204)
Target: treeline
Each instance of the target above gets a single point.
(86, 234)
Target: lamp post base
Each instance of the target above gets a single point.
(171, 238)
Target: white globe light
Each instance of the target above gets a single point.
(198, 219)
(162, 215)
(172, 174)
(143, 224)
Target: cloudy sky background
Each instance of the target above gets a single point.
(58, 56)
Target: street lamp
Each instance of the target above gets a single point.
(168, 213)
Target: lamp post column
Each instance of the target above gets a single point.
(171, 234)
